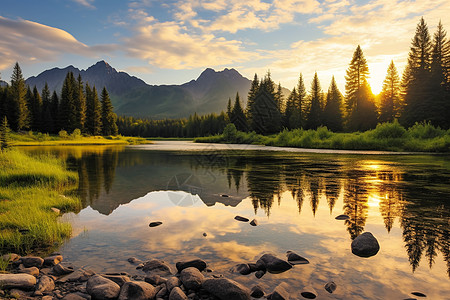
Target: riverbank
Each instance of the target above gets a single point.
(31, 201)
(39, 139)
(386, 137)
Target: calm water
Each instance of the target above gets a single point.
(404, 200)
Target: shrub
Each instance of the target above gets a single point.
(63, 134)
(424, 130)
(76, 134)
(230, 133)
(389, 130)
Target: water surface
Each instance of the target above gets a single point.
(403, 200)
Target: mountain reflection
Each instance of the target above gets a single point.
(412, 192)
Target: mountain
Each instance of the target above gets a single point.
(3, 83)
(131, 96)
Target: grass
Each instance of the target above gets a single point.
(35, 139)
(29, 188)
(422, 137)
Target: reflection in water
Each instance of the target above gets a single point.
(412, 191)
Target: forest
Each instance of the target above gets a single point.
(420, 96)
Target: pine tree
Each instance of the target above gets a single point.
(279, 98)
(300, 102)
(229, 109)
(4, 134)
(291, 113)
(416, 99)
(238, 116)
(390, 95)
(332, 114)
(80, 104)
(30, 101)
(67, 107)
(109, 126)
(93, 112)
(54, 111)
(18, 108)
(47, 118)
(36, 110)
(314, 118)
(360, 108)
(254, 88)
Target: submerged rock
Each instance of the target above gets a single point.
(243, 269)
(273, 264)
(254, 222)
(309, 292)
(257, 292)
(260, 273)
(154, 224)
(279, 293)
(157, 266)
(295, 259)
(418, 294)
(330, 287)
(242, 219)
(226, 289)
(365, 245)
(342, 217)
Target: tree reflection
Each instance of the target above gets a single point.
(355, 203)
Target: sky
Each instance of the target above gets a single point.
(172, 42)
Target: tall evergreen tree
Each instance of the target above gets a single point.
(30, 101)
(47, 118)
(36, 110)
(291, 114)
(314, 118)
(332, 113)
(229, 108)
(390, 95)
(67, 107)
(4, 134)
(279, 98)
(18, 109)
(238, 116)
(93, 123)
(360, 107)
(54, 110)
(80, 104)
(416, 99)
(109, 126)
(254, 88)
(300, 103)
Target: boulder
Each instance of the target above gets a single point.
(279, 293)
(257, 292)
(308, 292)
(226, 289)
(102, 288)
(157, 267)
(72, 296)
(79, 275)
(62, 269)
(45, 284)
(365, 245)
(117, 278)
(32, 261)
(172, 282)
(53, 260)
(162, 292)
(10, 257)
(19, 281)
(295, 259)
(196, 263)
(330, 287)
(243, 269)
(177, 294)
(137, 290)
(191, 278)
(254, 222)
(272, 264)
(260, 273)
(154, 279)
(242, 219)
(32, 271)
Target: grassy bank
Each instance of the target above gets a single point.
(35, 139)
(29, 188)
(386, 136)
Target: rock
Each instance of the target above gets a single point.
(102, 288)
(10, 257)
(260, 273)
(45, 284)
(243, 269)
(196, 263)
(119, 279)
(32, 271)
(20, 281)
(279, 293)
(177, 294)
(134, 260)
(342, 217)
(418, 294)
(72, 296)
(254, 222)
(224, 195)
(162, 292)
(19, 294)
(52, 260)
(226, 289)
(172, 282)
(205, 234)
(154, 224)
(330, 287)
(50, 298)
(191, 278)
(257, 292)
(78, 275)
(365, 245)
(242, 219)
(32, 261)
(295, 259)
(273, 264)
(154, 279)
(308, 292)
(157, 266)
(137, 290)
(62, 269)
(56, 210)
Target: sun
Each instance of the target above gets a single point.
(377, 73)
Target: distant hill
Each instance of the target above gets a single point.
(131, 96)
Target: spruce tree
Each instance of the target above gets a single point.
(36, 110)
(80, 104)
(254, 88)
(4, 134)
(54, 111)
(47, 118)
(300, 102)
(238, 116)
(417, 90)
(93, 112)
(290, 117)
(67, 107)
(390, 95)
(19, 114)
(229, 109)
(314, 117)
(109, 126)
(30, 104)
(360, 107)
(332, 113)
(279, 98)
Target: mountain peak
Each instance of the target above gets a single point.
(102, 66)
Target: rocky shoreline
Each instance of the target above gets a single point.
(32, 277)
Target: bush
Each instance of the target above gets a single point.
(63, 134)
(389, 130)
(230, 133)
(76, 134)
(424, 130)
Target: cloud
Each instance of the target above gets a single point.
(85, 3)
(28, 41)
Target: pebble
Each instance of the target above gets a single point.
(154, 224)
(242, 219)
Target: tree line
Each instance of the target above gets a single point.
(76, 107)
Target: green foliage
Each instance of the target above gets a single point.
(389, 130)
(4, 135)
(109, 125)
(424, 130)
(314, 118)
(230, 133)
(63, 134)
(237, 115)
(390, 95)
(332, 113)
(76, 134)
(18, 112)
